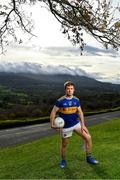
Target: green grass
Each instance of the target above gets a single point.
(40, 159)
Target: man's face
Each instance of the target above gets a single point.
(69, 90)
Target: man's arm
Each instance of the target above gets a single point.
(52, 116)
(81, 116)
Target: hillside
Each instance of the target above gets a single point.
(24, 80)
(33, 95)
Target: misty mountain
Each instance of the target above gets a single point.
(36, 68)
(50, 82)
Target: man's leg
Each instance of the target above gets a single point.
(88, 144)
(64, 144)
(87, 137)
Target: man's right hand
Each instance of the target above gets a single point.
(53, 126)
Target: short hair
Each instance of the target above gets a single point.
(68, 83)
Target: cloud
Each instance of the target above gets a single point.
(35, 68)
(63, 60)
(67, 51)
(75, 51)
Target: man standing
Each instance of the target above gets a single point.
(69, 109)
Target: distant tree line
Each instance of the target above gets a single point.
(16, 104)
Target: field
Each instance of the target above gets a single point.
(40, 159)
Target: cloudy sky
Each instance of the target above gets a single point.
(96, 62)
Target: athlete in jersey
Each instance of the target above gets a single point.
(68, 108)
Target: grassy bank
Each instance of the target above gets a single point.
(102, 111)
(23, 122)
(40, 159)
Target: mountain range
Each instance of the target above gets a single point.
(30, 80)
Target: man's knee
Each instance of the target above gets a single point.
(88, 137)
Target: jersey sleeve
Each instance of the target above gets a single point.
(78, 103)
(57, 103)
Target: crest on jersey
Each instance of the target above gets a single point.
(70, 103)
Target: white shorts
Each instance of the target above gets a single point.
(67, 132)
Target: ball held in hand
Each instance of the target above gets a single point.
(59, 122)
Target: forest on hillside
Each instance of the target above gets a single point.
(23, 97)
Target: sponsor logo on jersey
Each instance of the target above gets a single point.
(68, 110)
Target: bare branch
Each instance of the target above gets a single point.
(8, 27)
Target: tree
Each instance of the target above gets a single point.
(97, 17)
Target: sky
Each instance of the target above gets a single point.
(48, 29)
(34, 54)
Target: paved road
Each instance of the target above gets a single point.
(20, 135)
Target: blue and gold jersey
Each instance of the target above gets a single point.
(68, 108)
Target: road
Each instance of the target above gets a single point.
(20, 135)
